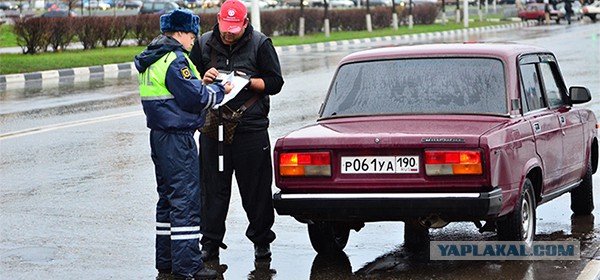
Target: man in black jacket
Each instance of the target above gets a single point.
(234, 45)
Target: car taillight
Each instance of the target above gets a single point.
(585, 10)
(453, 163)
(305, 164)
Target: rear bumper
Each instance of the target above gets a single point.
(389, 206)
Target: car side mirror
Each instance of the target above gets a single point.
(579, 95)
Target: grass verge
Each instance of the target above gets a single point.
(20, 63)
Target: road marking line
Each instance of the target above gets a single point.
(40, 129)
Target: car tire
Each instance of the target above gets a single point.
(519, 225)
(582, 197)
(416, 236)
(328, 237)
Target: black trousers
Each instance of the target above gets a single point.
(249, 157)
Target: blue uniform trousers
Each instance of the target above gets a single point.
(178, 208)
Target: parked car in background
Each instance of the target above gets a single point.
(93, 4)
(536, 11)
(575, 6)
(272, 3)
(592, 10)
(125, 4)
(58, 14)
(54, 10)
(386, 3)
(340, 3)
(7, 5)
(295, 3)
(210, 3)
(492, 137)
(261, 4)
(132, 4)
(159, 7)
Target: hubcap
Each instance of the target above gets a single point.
(527, 217)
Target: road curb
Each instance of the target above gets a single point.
(81, 74)
(591, 271)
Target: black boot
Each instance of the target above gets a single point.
(205, 274)
(262, 252)
(210, 251)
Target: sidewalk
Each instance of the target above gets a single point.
(81, 74)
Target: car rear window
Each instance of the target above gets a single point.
(418, 86)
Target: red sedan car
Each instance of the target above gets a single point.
(536, 11)
(433, 134)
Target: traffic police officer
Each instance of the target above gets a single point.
(174, 101)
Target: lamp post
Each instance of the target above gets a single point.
(301, 24)
(326, 20)
(255, 15)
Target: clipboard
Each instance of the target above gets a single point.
(238, 83)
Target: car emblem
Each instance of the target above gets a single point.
(377, 140)
(442, 140)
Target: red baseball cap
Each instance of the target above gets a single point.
(232, 16)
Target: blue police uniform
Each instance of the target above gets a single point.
(174, 101)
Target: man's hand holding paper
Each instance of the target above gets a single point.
(238, 83)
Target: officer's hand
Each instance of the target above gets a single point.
(210, 76)
(228, 87)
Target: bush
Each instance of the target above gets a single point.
(425, 13)
(348, 20)
(61, 32)
(422, 14)
(145, 28)
(32, 34)
(36, 34)
(89, 31)
(207, 21)
(114, 30)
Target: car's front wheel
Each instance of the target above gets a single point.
(328, 237)
(582, 197)
(520, 224)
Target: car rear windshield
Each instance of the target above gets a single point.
(418, 86)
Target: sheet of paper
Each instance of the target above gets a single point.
(238, 84)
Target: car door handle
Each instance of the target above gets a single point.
(536, 127)
(562, 120)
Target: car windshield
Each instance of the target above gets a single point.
(418, 86)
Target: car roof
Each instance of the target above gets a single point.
(505, 51)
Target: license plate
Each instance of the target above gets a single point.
(380, 164)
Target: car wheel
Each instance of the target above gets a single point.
(416, 236)
(582, 197)
(520, 224)
(328, 237)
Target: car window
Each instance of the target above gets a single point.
(424, 85)
(553, 92)
(531, 87)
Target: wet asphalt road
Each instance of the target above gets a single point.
(77, 190)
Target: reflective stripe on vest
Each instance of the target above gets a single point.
(152, 81)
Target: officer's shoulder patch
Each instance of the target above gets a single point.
(186, 73)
